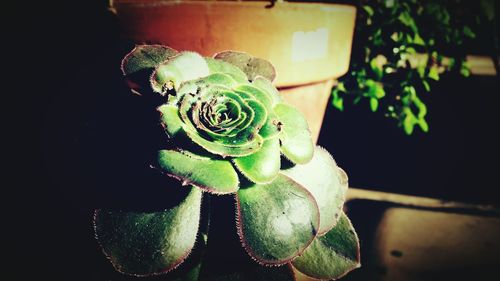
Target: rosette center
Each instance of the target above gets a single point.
(220, 116)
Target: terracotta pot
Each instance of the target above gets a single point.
(309, 43)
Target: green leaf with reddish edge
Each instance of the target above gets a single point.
(146, 57)
(327, 186)
(190, 107)
(245, 143)
(299, 276)
(258, 121)
(170, 119)
(214, 176)
(250, 65)
(271, 128)
(176, 70)
(225, 150)
(277, 220)
(219, 66)
(257, 94)
(332, 255)
(200, 87)
(220, 79)
(144, 244)
(267, 86)
(262, 166)
(296, 142)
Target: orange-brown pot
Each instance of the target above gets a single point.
(309, 43)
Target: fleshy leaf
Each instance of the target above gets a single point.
(245, 140)
(146, 57)
(195, 87)
(214, 176)
(296, 142)
(257, 94)
(327, 186)
(258, 120)
(333, 255)
(299, 276)
(220, 79)
(250, 65)
(262, 166)
(176, 70)
(223, 149)
(170, 119)
(271, 128)
(145, 244)
(267, 86)
(276, 221)
(219, 66)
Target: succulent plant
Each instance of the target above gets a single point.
(228, 132)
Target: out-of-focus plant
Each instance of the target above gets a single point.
(228, 132)
(401, 49)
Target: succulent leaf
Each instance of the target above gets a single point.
(220, 66)
(262, 166)
(257, 94)
(217, 79)
(170, 119)
(277, 220)
(333, 255)
(227, 127)
(145, 244)
(176, 70)
(144, 57)
(222, 122)
(296, 142)
(328, 186)
(250, 65)
(226, 150)
(267, 86)
(214, 176)
(272, 127)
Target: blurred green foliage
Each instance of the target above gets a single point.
(400, 50)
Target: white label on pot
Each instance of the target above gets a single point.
(309, 45)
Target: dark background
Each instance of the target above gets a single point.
(72, 139)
